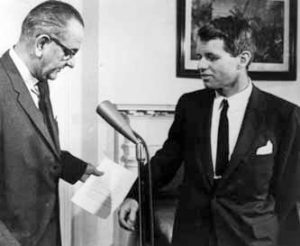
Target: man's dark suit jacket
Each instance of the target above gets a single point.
(31, 163)
(257, 193)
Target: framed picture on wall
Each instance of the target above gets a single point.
(275, 23)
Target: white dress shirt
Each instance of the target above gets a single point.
(30, 81)
(235, 114)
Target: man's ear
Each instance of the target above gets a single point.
(40, 43)
(245, 58)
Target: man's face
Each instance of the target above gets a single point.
(219, 70)
(60, 51)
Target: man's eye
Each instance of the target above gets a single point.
(212, 57)
(199, 56)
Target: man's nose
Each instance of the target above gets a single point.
(71, 62)
(202, 64)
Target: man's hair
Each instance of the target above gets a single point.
(236, 33)
(49, 17)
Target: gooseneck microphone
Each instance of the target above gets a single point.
(111, 115)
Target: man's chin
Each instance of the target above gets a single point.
(207, 84)
(52, 76)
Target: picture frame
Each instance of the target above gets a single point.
(277, 45)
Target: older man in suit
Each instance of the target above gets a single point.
(240, 148)
(31, 161)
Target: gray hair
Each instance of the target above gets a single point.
(49, 17)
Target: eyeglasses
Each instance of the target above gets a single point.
(68, 53)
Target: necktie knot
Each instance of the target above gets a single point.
(225, 105)
(42, 89)
(42, 96)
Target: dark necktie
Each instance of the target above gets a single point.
(223, 141)
(45, 106)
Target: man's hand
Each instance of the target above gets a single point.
(127, 214)
(90, 170)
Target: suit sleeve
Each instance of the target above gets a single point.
(288, 182)
(6, 236)
(168, 159)
(72, 167)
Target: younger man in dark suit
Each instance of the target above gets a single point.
(240, 148)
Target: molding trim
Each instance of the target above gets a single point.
(146, 109)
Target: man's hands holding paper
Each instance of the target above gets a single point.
(90, 170)
(128, 213)
(102, 196)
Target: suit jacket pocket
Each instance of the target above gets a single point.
(255, 173)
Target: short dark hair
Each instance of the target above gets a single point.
(49, 17)
(236, 33)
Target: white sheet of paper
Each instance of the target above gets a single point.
(102, 195)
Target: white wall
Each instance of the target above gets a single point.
(137, 52)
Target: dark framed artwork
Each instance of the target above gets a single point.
(275, 23)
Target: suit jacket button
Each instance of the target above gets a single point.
(55, 168)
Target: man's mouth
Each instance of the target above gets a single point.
(205, 76)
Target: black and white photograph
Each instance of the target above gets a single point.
(149, 123)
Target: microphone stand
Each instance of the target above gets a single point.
(144, 193)
(109, 112)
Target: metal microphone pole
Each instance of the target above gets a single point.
(109, 112)
(144, 193)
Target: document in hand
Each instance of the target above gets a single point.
(102, 195)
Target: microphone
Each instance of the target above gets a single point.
(111, 115)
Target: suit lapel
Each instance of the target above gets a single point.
(204, 150)
(253, 120)
(25, 100)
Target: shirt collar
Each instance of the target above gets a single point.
(237, 99)
(23, 69)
